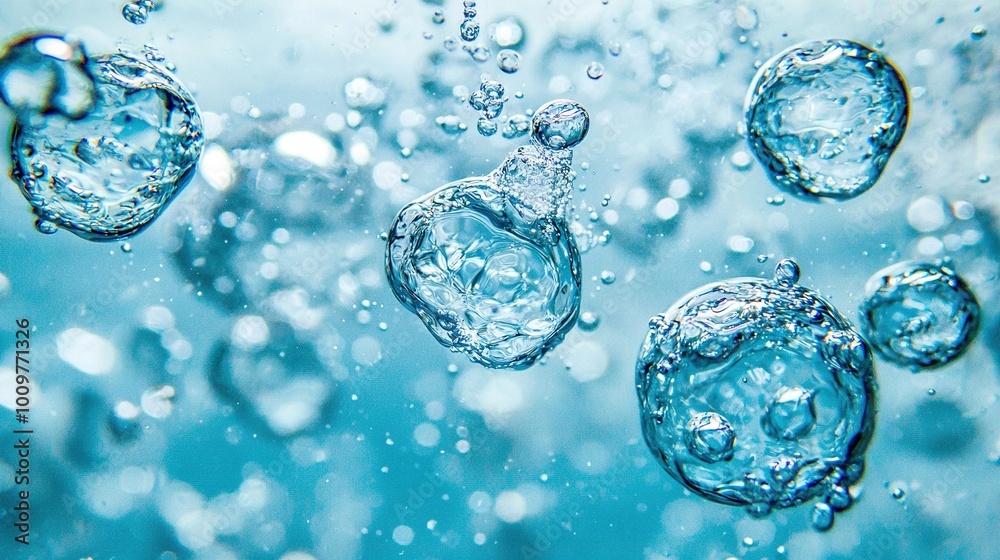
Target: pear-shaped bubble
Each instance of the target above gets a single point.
(823, 118)
(757, 393)
(109, 175)
(46, 74)
(489, 263)
(919, 315)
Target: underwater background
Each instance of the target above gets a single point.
(239, 380)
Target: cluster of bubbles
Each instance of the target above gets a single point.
(823, 118)
(469, 30)
(488, 100)
(137, 12)
(758, 393)
(101, 145)
(919, 315)
(489, 263)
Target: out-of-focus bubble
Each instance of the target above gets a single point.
(157, 402)
(507, 33)
(46, 74)
(88, 352)
(275, 379)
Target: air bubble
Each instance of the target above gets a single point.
(787, 272)
(489, 99)
(710, 437)
(919, 315)
(757, 393)
(509, 61)
(823, 117)
(560, 124)
(486, 127)
(108, 176)
(790, 414)
(822, 517)
(137, 13)
(469, 30)
(46, 74)
(595, 70)
(589, 321)
(489, 263)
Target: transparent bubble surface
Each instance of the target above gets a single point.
(136, 13)
(46, 74)
(758, 393)
(508, 61)
(487, 278)
(560, 124)
(489, 263)
(109, 175)
(823, 118)
(919, 315)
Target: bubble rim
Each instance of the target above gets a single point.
(778, 172)
(891, 282)
(855, 448)
(403, 240)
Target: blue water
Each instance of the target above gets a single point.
(237, 378)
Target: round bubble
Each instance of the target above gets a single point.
(919, 315)
(757, 393)
(46, 74)
(560, 124)
(508, 61)
(136, 13)
(109, 175)
(823, 118)
(486, 278)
